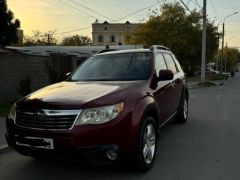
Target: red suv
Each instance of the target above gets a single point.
(113, 103)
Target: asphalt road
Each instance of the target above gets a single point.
(207, 147)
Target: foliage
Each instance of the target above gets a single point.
(76, 40)
(181, 32)
(41, 38)
(206, 84)
(232, 56)
(24, 87)
(9, 25)
(4, 109)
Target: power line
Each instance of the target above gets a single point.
(214, 10)
(185, 6)
(67, 32)
(130, 14)
(119, 18)
(78, 29)
(79, 4)
(77, 9)
(52, 14)
(197, 3)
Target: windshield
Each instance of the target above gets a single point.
(114, 67)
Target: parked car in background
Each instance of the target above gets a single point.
(207, 71)
(237, 68)
(114, 103)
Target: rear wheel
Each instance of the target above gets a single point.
(183, 114)
(147, 145)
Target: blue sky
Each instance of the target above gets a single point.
(46, 15)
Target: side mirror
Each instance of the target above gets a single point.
(68, 75)
(165, 75)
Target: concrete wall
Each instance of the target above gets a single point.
(14, 67)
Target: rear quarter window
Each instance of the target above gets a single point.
(171, 65)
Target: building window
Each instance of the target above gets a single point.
(100, 38)
(112, 38)
(105, 28)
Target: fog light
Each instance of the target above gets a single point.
(112, 154)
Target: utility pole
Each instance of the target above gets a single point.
(204, 41)
(48, 39)
(226, 59)
(217, 63)
(223, 32)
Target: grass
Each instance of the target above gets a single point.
(206, 84)
(217, 77)
(4, 109)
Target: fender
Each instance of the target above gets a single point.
(141, 109)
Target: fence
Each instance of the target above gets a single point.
(20, 73)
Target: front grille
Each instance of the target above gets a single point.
(47, 122)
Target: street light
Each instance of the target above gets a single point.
(223, 37)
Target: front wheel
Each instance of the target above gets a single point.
(147, 145)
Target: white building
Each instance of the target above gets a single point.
(113, 33)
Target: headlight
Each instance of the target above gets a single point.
(100, 115)
(12, 112)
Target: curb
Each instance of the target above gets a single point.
(4, 148)
(197, 86)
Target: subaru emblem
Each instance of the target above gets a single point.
(40, 115)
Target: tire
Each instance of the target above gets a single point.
(183, 113)
(147, 145)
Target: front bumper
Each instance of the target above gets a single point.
(88, 141)
(96, 154)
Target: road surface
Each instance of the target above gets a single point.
(207, 147)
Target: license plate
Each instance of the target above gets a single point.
(34, 142)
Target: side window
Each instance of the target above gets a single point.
(170, 63)
(177, 63)
(160, 63)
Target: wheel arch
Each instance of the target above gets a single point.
(146, 107)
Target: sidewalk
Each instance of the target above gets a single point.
(194, 82)
(3, 143)
(2, 131)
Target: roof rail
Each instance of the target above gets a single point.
(158, 47)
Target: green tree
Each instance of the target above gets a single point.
(76, 40)
(8, 25)
(181, 32)
(231, 56)
(39, 38)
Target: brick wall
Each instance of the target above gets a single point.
(15, 66)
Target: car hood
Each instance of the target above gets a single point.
(78, 94)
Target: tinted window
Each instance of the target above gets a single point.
(170, 63)
(177, 63)
(160, 63)
(114, 67)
